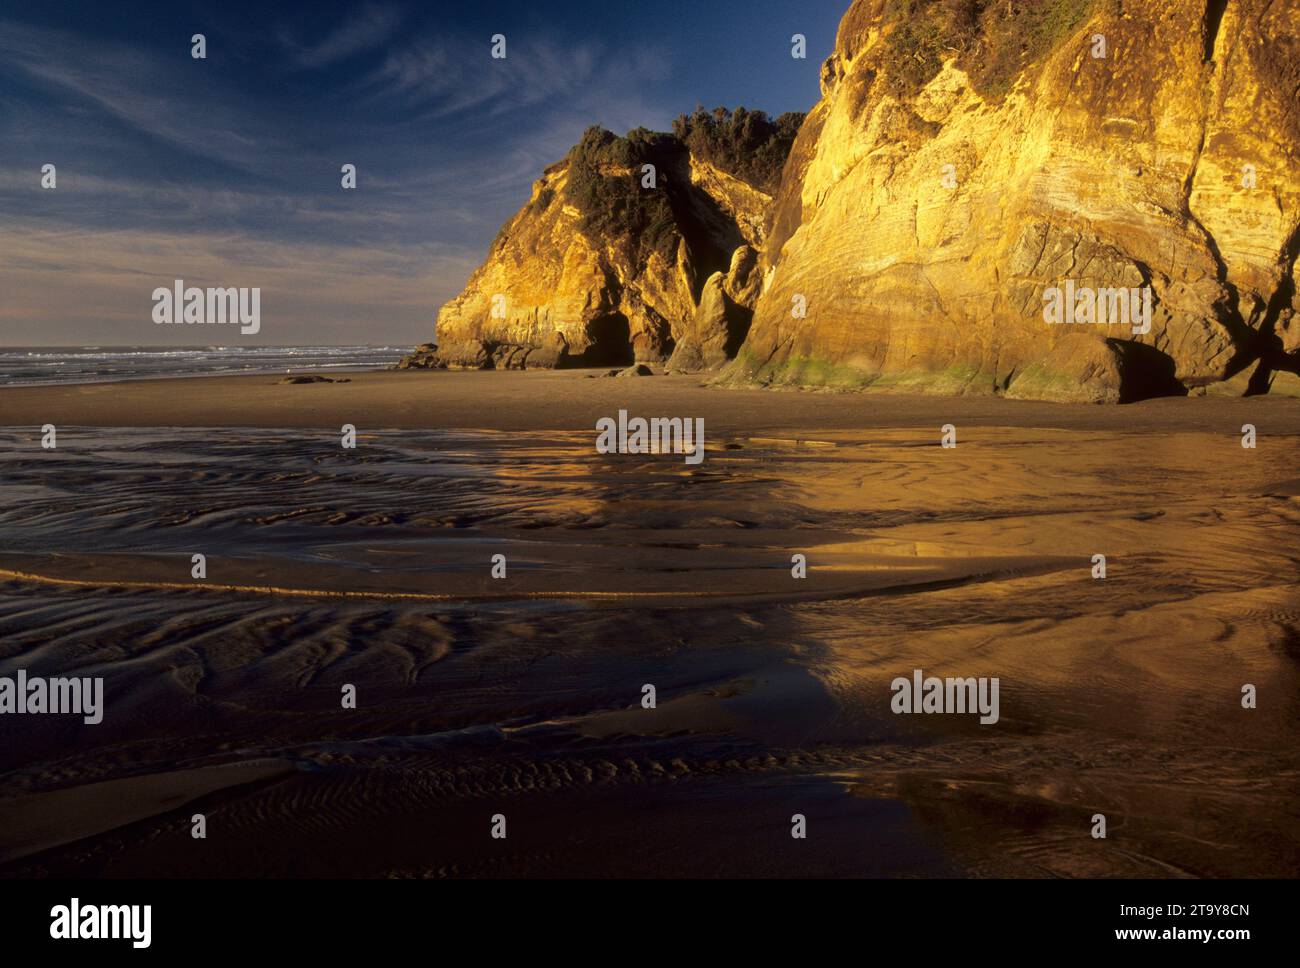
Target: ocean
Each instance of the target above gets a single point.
(35, 365)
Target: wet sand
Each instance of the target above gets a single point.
(521, 696)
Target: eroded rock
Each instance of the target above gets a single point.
(934, 194)
(606, 264)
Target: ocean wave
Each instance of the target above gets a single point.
(36, 366)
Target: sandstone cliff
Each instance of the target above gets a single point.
(608, 262)
(967, 155)
(967, 158)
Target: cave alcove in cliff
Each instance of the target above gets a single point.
(611, 343)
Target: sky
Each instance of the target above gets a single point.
(225, 171)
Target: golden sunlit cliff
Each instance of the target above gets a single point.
(967, 158)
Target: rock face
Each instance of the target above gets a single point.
(972, 167)
(607, 263)
(722, 318)
(963, 162)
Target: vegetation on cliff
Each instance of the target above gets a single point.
(604, 184)
(746, 144)
(606, 171)
(993, 39)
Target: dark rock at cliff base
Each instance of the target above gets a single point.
(637, 369)
(423, 357)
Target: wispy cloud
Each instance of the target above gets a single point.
(133, 88)
(368, 28)
(179, 167)
(443, 76)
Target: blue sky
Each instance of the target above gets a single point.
(225, 171)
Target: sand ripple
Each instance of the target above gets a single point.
(522, 695)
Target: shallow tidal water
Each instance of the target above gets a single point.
(521, 695)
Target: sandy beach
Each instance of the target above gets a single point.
(522, 696)
(574, 400)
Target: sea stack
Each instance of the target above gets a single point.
(607, 263)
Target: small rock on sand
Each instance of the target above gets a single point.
(312, 378)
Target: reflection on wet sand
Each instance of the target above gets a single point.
(522, 695)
